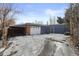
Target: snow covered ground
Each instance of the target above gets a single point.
(39, 45)
(0, 43)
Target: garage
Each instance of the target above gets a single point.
(35, 30)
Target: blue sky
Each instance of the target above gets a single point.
(39, 11)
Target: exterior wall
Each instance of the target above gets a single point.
(45, 30)
(16, 31)
(35, 30)
(58, 29)
(61, 29)
(27, 30)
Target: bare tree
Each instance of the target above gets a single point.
(6, 13)
(72, 18)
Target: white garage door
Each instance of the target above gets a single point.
(35, 30)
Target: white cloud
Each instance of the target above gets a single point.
(57, 12)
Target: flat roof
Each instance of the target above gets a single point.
(32, 24)
(26, 24)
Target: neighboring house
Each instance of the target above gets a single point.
(24, 29)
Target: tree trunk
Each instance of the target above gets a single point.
(5, 38)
